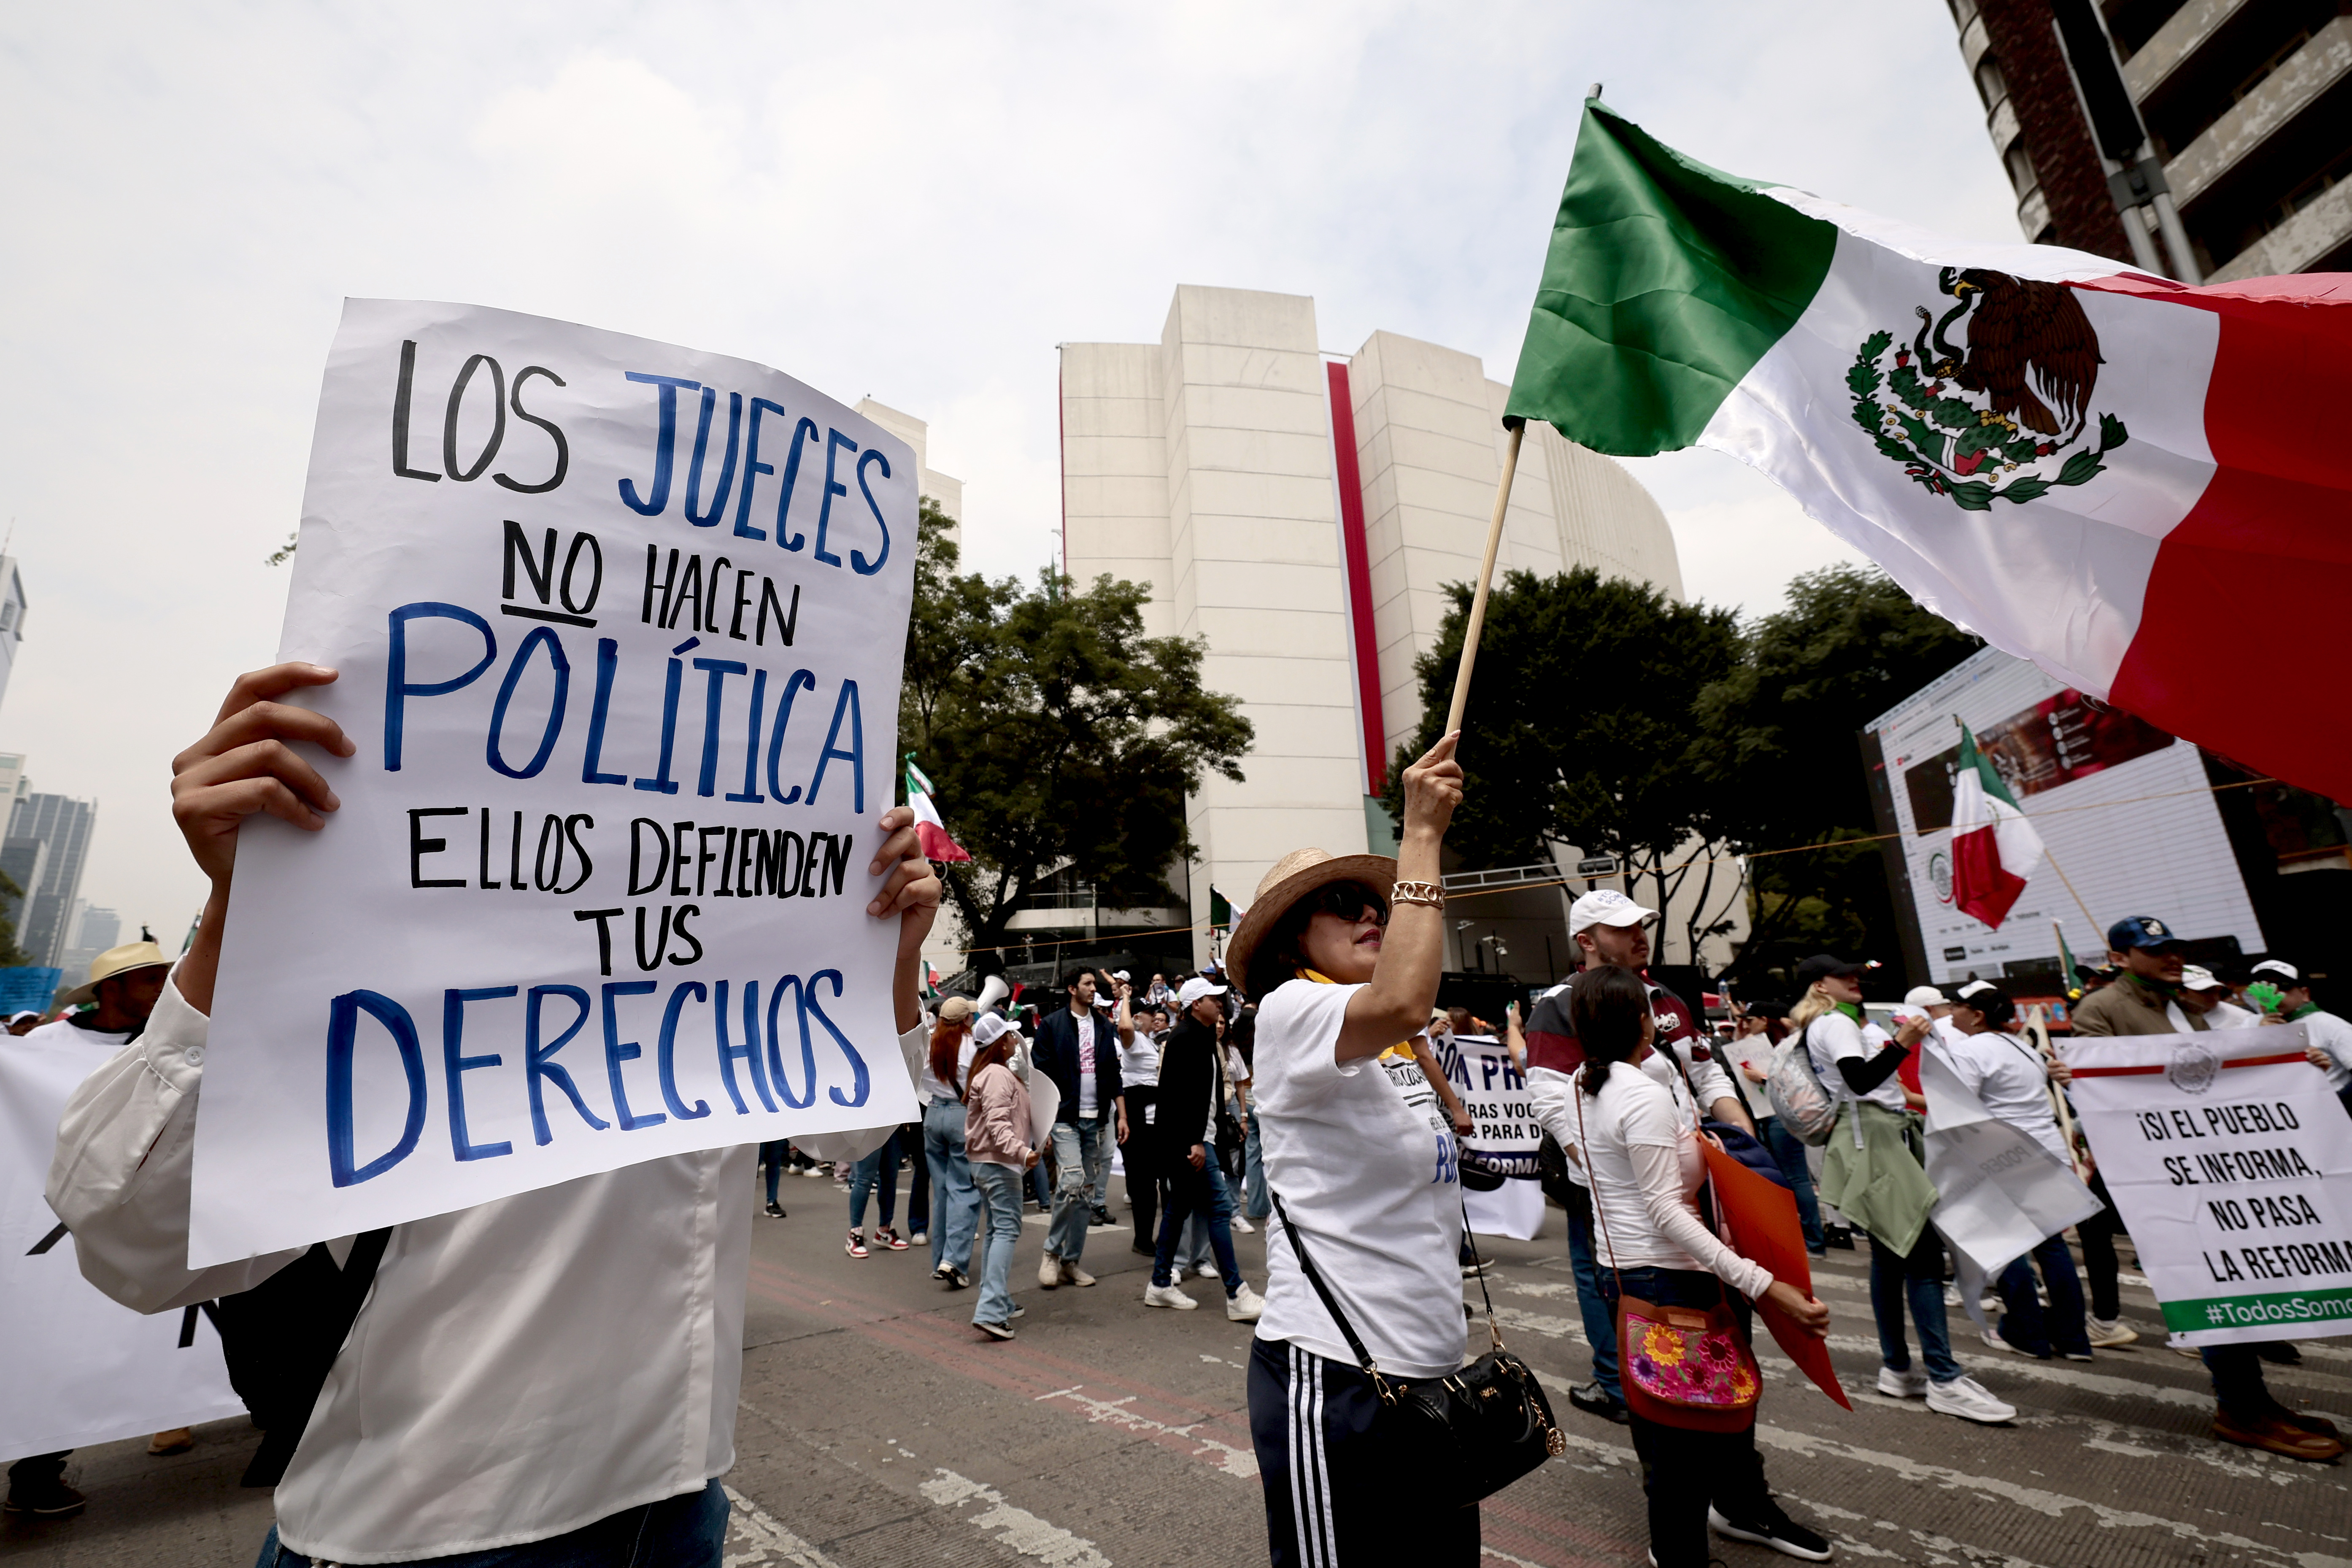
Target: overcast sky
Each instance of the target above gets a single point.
(916, 202)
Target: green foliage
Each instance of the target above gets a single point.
(11, 955)
(1056, 731)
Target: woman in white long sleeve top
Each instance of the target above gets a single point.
(555, 1373)
(1638, 1131)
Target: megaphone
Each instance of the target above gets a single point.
(993, 990)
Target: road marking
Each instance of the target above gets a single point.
(1016, 1528)
(755, 1540)
(1233, 1461)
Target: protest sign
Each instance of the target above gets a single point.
(1760, 1216)
(32, 988)
(1504, 1136)
(2000, 1193)
(82, 1368)
(620, 628)
(2232, 1165)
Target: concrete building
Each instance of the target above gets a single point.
(946, 490)
(95, 929)
(2236, 113)
(1301, 511)
(63, 826)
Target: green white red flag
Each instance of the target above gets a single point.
(928, 828)
(2092, 467)
(1994, 847)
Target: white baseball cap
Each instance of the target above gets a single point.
(1606, 906)
(1118, 974)
(1974, 987)
(1196, 988)
(991, 1028)
(2197, 978)
(2279, 967)
(1924, 996)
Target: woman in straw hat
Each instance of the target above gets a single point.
(1344, 954)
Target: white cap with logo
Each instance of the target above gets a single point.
(2281, 968)
(1196, 988)
(1606, 906)
(2197, 978)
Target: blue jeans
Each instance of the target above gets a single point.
(1191, 1192)
(1255, 1203)
(682, 1532)
(2023, 1321)
(1079, 1144)
(1000, 1195)
(1594, 1307)
(1788, 1154)
(1920, 1278)
(957, 1200)
(772, 1160)
(1194, 1249)
(880, 1167)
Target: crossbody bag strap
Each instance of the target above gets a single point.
(1330, 1302)
(1584, 1142)
(1470, 1241)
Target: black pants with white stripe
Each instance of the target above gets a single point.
(1338, 1494)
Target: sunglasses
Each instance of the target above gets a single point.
(1350, 902)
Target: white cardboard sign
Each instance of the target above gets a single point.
(1504, 1132)
(620, 628)
(2231, 1163)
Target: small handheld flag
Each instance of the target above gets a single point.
(936, 844)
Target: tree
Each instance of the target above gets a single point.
(11, 955)
(1783, 761)
(1579, 726)
(1057, 734)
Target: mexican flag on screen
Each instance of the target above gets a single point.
(937, 844)
(2107, 473)
(1994, 849)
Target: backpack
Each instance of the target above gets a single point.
(1805, 1105)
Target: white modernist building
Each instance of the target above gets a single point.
(1301, 511)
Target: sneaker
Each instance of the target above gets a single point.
(994, 1331)
(812, 1171)
(1207, 1271)
(1952, 1295)
(178, 1440)
(774, 1210)
(2179, 1345)
(855, 1246)
(1473, 1270)
(1244, 1305)
(1049, 1272)
(1838, 1235)
(1167, 1295)
(889, 1237)
(1595, 1400)
(1018, 1311)
(1910, 1385)
(1970, 1400)
(53, 1500)
(2076, 1355)
(920, 1238)
(1100, 1215)
(2108, 1332)
(957, 1279)
(1780, 1532)
(1243, 1227)
(1073, 1275)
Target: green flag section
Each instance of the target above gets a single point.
(1665, 282)
(2082, 463)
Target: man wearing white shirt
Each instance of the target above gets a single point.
(2328, 1037)
(594, 1408)
(2202, 993)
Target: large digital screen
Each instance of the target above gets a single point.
(2126, 811)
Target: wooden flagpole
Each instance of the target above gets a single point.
(1519, 428)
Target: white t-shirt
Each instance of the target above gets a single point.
(2008, 1075)
(1366, 1165)
(1642, 1111)
(1834, 1037)
(2229, 1015)
(2331, 1034)
(931, 1089)
(1086, 1036)
(1138, 1063)
(101, 1042)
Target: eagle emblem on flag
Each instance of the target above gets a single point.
(2002, 417)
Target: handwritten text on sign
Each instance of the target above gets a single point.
(619, 628)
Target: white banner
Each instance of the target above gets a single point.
(1504, 1135)
(2232, 1165)
(2000, 1194)
(82, 1368)
(620, 628)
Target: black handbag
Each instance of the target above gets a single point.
(1473, 1433)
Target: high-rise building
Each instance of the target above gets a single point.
(1302, 512)
(63, 825)
(12, 620)
(99, 929)
(943, 488)
(2141, 129)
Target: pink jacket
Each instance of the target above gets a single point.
(996, 1118)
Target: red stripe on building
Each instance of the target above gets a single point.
(1359, 579)
(2240, 645)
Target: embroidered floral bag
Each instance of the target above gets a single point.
(1687, 1367)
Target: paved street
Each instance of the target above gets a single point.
(878, 1429)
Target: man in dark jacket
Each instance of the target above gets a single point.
(1191, 1088)
(1077, 1047)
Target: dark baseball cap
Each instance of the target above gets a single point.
(1823, 965)
(2140, 931)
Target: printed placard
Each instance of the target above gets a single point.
(2232, 1165)
(620, 628)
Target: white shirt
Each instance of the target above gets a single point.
(1638, 1139)
(477, 1404)
(1366, 1165)
(1085, 1035)
(1553, 1094)
(1138, 1061)
(929, 1088)
(1832, 1037)
(101, 1042)
(2229, 1015)
(2008, 1075)
(2331, 1034)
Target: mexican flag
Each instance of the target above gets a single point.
(2094, 468)
(937, 844)
(1994, 849)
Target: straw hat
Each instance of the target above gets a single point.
(1294, 876)
(114, 960)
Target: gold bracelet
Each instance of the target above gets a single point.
(1427, 894)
